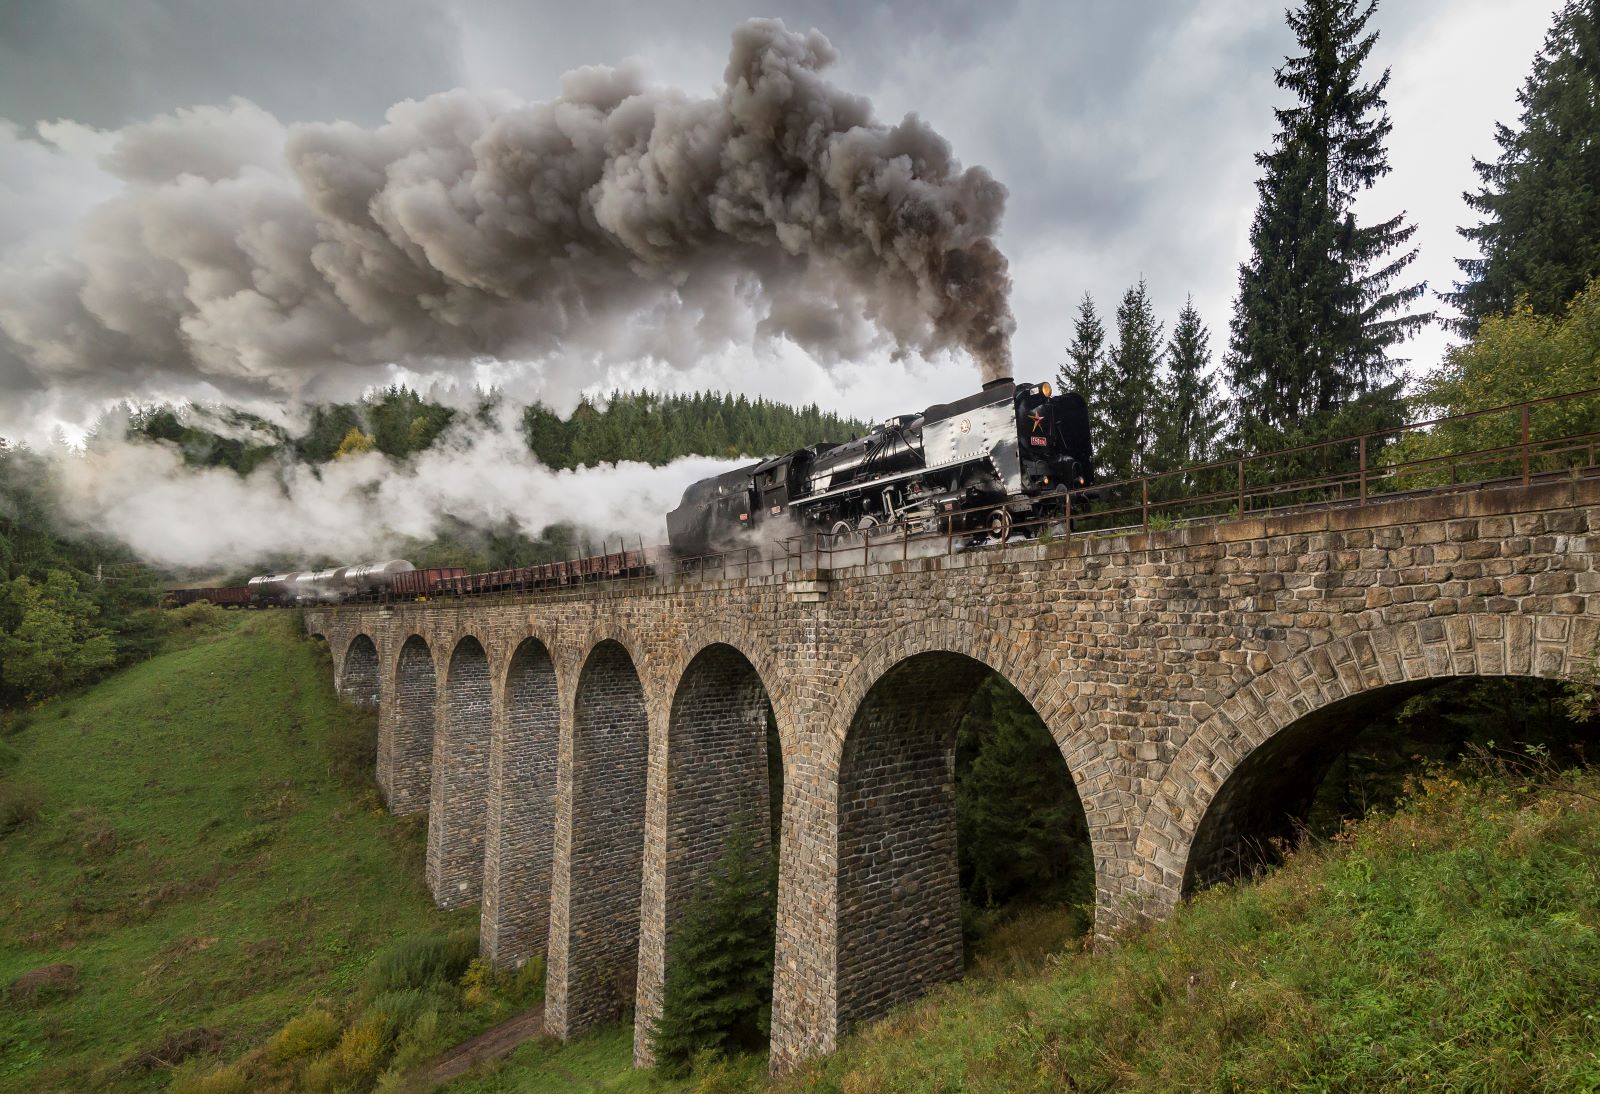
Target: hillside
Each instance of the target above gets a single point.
(1452, 946)
(202, 858)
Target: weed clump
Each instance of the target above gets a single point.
(420, 963)
(304, 1035)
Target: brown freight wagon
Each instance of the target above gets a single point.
(423, 583)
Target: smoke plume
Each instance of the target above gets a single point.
(360, 507)
(617, 222)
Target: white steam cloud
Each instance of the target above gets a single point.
(616, 223)
(360, 507)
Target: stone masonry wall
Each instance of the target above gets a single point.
(358, 674)
(716, 777)
(899, 925)
(521, 810)
(594, 933)
(457, 808)
(405, 738)
(1160, 662)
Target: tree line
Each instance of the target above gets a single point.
(1324, 305)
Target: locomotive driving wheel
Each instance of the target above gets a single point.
(1000, 525)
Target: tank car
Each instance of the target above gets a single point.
(1008, 452)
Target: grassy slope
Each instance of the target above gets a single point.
(195, 859)
(1454, 946)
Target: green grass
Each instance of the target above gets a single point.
(196, 857)
(1453, 946)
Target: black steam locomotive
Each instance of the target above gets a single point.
(1009, 452)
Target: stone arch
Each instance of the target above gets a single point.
(716, 762)
(522, 799)
(358, 681)
(897, 894)
(405, 741)
(1273, 735)
(457, 804)
(594, 911)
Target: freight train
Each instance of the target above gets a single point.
(972, 468)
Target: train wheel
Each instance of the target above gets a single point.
(1000, 525)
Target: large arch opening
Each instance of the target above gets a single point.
(358, 676)
(410, 747)
(457, 806)
(522, 800)
(1347, 759)
(724, 793)
(610, 753)
(901, 817)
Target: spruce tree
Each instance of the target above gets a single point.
(1084, 371)
(1126, 412)
(1539, 238)
(1321, 300)
(1190, 409)
(718, 989)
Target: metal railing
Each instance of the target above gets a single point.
(1529, 442)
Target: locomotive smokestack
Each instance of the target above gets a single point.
(996, 382)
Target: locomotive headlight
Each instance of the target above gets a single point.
(1044, 389)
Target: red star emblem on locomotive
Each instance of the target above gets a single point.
(1037, 418)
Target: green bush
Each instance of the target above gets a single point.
(304, 1035)
(420, 963)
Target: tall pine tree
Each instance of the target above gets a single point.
(1084, 371)
(1321, 301)
(1126, 411)
(1540, 201)
(1190, 410)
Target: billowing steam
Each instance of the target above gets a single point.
(617, 222)
(359, 507)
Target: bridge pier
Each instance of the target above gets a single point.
(1188, 676)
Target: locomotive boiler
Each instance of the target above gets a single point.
(1006, 453)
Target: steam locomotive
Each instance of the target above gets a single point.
(1008, 452)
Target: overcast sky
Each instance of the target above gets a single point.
(1124, 131)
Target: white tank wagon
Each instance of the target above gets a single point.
(375, 576)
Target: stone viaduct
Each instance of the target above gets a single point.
(582, 755)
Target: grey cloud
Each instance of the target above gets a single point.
(107, 64)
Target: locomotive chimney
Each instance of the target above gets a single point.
(996, 382)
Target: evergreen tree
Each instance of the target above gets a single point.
(1020, 828)
(1540, 200)
(718, 989)
(1085, 369)
(1190, 410)
(1320, 300)
(1126, 412)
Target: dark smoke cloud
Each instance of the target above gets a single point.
(617, 220)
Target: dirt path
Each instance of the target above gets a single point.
(492, 1044)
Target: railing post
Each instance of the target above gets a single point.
(1527, 469)
(1363, 447)
(1144, 503)
(1240, 508)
